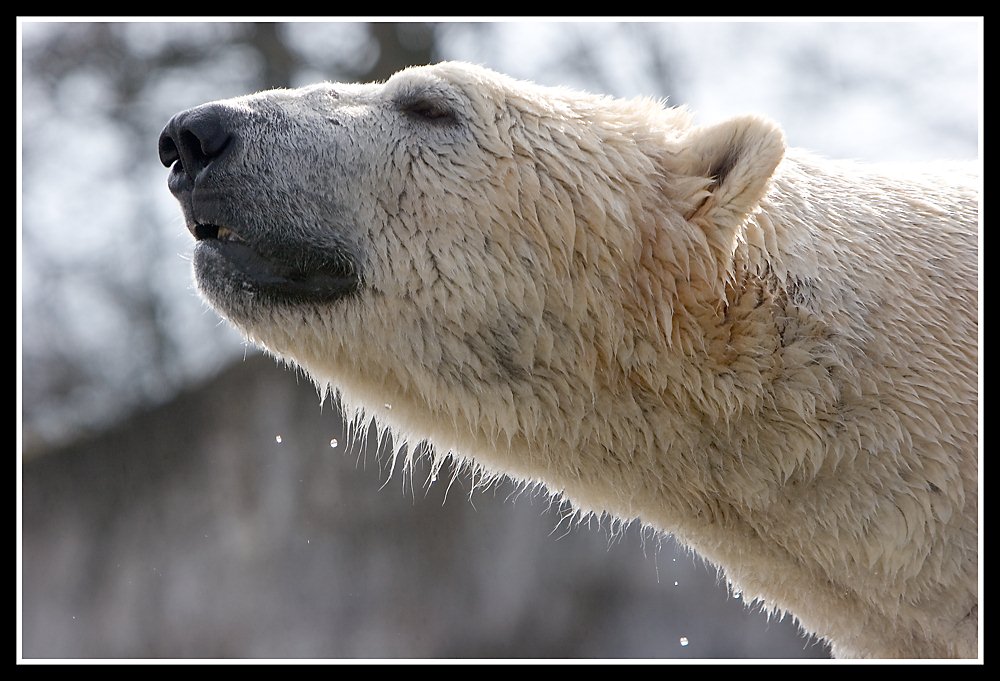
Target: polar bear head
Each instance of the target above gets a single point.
(483, 253)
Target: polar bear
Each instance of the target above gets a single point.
(770, 355)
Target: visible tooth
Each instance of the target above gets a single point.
(224, 233)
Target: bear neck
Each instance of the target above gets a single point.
(715, 419)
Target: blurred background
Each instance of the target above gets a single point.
(183, 496)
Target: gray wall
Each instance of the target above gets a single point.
(188, 531)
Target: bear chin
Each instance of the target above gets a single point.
(230, 271)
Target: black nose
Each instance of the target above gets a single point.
(195, 137)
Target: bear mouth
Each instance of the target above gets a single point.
(207, 231)
(226, 261)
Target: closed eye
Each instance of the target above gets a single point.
(428, 109)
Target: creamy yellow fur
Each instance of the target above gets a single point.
(771, 355)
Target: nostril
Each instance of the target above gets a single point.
(167, 149)
(194, 146)
(213, 140)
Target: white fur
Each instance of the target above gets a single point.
(768, 354)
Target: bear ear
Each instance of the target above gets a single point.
(737, 159)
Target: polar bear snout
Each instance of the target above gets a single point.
(194, 141)
(253, 251)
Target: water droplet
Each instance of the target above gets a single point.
(684, 640)
(307, 541)
(333, 443)
(74, 616)
(675, 583)
(675, 560)
(737, 594)
(387, 405)
(277, 438)
(434, 477)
